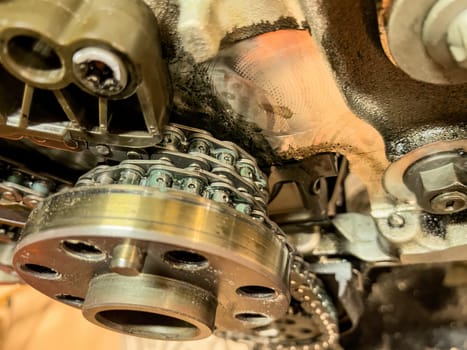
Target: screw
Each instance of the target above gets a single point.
(396, 220)
(450, 202)
(101, 71)
(457, 39)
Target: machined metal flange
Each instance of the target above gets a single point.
(122, 235)
(150, 306)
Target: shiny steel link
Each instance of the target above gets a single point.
(193, 161)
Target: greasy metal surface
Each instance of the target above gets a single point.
(239, 251)
(439, 182)
(407, 113)
(412, 308)
(394, 182)
(310, 322)
(149, 306)
(43, 56)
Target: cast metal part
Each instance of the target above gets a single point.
(106, 60)
(424, 38)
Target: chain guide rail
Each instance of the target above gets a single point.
(310, 324)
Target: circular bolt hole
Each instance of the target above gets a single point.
(148, 324)
(82, 250)
(259, 292)
(306, 331)
(182, 259)
(40, 271)
(252, 317)
(33, 53)
(289, 321)
(70, 299)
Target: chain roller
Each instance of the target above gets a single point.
(191, 160)
(24, 187)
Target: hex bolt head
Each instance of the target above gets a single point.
(439, 182)
(100, 71)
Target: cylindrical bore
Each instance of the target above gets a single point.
(150, 306)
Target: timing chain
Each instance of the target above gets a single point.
(193, 161)
(310, 323)
(21, 190)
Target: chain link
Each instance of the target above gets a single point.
(24, 189)
(191, 160)
(310, 324)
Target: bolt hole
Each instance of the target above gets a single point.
(289, 321)
(252, 317)
(259, 292)
(33, 53)
(186, 260)
(82, 250)
(40, 271)
(316, 189)
(70, 299)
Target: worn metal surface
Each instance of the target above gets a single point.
(220, 250)
(51, 59)
(413, 307)
(310, 322)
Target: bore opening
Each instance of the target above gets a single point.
(252, 317)
(147, 324)
(70, 299)
(183, 259)
(33, 53)
(40, 271)
(259, 292)
(82, 250)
